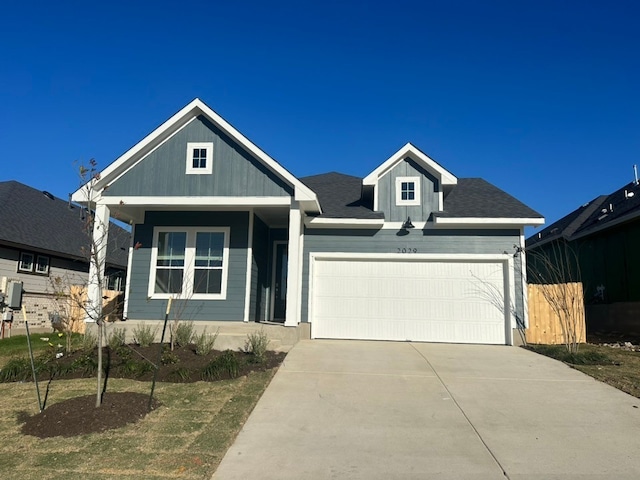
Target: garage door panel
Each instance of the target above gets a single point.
(408, 300)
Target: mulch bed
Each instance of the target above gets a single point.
(78, 416)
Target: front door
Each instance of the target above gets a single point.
(279, 281)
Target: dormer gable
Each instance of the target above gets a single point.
(409, 183)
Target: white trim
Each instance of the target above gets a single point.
(293, 277)
(416, 191)
(505, 259)
(143, 201)
(37, 262)
(466, 221)
(525, 285)
(95, 284)
(247, 286)
(315, 222)
(189, 264)
(185, 115)
(208, 168)
(398, 225)
(272, 293)
(125, 311)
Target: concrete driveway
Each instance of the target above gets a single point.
(382, 410)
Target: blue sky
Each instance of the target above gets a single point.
(539, 98)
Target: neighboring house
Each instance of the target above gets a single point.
(410, 252)
(603, 237)
(41, 238)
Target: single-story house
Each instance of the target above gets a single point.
(409, 252)
(43, 238)
(598, 242)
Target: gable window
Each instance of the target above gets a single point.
(199, 158)
(407, 191)
(189, 262)
(30, 263)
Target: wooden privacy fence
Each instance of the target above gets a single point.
(545, 325)
(111, 306)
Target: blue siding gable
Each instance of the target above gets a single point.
(235, 171)
(429, 191)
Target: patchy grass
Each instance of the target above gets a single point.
(613, 366)
(186, 437)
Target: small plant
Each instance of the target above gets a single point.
(89, 341)
(559, 352)
(135, 368)
(184, 333)
(182, 374)
(86, 364)
(144, 335)
(169, 358)
(225, 363)
(205, 342)
(16, 370)
(117, 338)
(256, 344)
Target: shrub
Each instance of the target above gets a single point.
(117, 338)
(184, 333)
(89, 341)
(225, 363)
(560, 352)
(256, 344)
(169, 358)
(86, 364)
(16, 370)
(144, 335)
(135, 367)
(205, 342)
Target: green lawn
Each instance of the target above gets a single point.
(17, 344)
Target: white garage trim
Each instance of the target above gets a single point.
(505, 260)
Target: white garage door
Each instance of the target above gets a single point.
(417, 300)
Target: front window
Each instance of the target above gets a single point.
(42, 265)
(31, 263)
(407, 191)
(26, 262)
(199, 158)
(189, 262)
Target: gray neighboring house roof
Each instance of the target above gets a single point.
(602, 212)
(31, 220)
(341, 196)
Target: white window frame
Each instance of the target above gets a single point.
(37, 262)
(190, 170)
(20, 262)
(189, 264)
(416, 191)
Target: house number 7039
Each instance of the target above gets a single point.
(407, 250)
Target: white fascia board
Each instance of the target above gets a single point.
(81, 196)
(452, 257)
(195, 201)
(343, 222)
(185, 115)
(409, 150)
(486, 221)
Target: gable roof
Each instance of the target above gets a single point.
(421, 158)
(194, 109)
(472, 198)
(33, 220)
(604, 211)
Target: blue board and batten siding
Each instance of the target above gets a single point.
(423, 241)
(235, 172)
(232, 308)
(429, 188)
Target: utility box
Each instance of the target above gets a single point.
(14, 295)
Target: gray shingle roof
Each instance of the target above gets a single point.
(31, 220)
(600, 213)
(477, 198)
(340, 196)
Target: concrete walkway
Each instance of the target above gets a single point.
(386, 410)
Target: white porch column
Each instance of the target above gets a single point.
(292, 316)
(97, 262)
